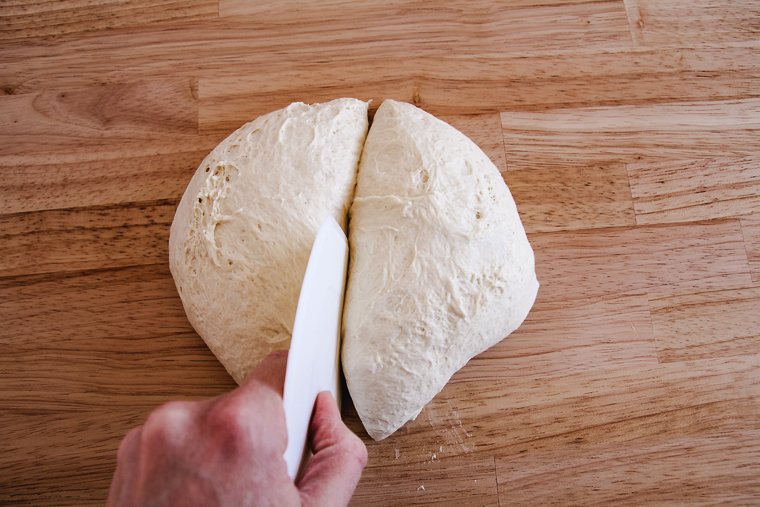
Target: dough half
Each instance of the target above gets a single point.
(243, 231)
(440, 266)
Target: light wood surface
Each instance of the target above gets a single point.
(628, 131)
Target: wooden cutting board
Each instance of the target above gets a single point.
(628, 131)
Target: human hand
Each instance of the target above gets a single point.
(228, 451)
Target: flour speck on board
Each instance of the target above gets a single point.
(421, 487)
(396, 451)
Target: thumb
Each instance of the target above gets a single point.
(332, 473)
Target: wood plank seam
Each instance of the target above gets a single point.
(496, 478)
(746, 248)
(635, 23)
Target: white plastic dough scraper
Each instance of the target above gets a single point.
(314, 356)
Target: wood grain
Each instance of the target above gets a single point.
(517, 81)
(560, 338)
(707, 324)
(124, 327)
(73, 239)
(627, 130)
(88, 355)
(620, 406)
(630, 134)
(22, 20)
(679, 191)
(655, 260)
(47, 450)
(653, 473)
(163, 106)
(670, 22)
(101, 145)
(290, 8)
(456, 481)
(128, 178)
(81, 125)
(562, 199)
(340, 34)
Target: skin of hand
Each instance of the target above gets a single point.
(228, 451)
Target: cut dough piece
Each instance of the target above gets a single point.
(440, 269)
(242, 234)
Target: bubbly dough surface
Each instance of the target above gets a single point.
(440, 269)
(243, 231)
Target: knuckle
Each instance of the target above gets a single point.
(230, 418)
(168, 424)
(257, 390)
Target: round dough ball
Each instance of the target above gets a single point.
(440, 266)
(242, 234)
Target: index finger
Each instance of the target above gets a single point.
(332, 473)
(269, 375)
(271, 371)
